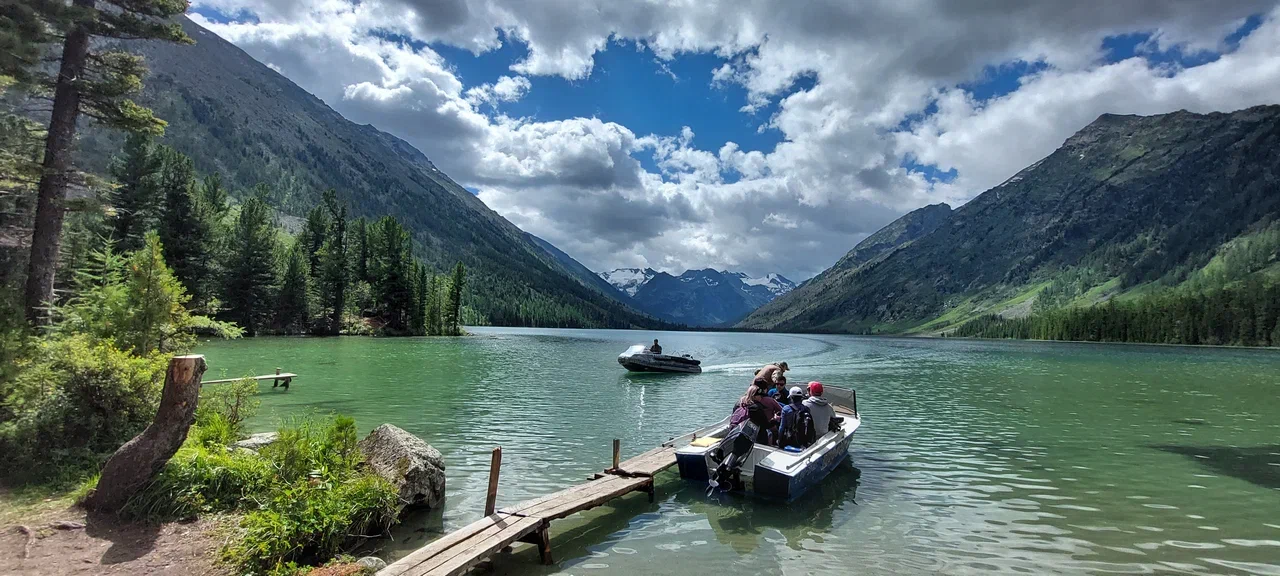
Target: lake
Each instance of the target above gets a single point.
(973, 456)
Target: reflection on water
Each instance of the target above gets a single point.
(1005, 457)
(1260, 464)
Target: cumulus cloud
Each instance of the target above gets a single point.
(885, 92)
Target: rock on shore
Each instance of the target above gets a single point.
(408, 462)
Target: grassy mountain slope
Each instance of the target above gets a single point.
(1126, 203)
(235, 116)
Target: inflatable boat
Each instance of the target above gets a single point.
(638, 359)
(728, 460)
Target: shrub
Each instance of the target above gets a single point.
(230, 404)
(203, 478)
(76, 399)
(310, 448)
(309, 521)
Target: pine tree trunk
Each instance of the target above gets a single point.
(56, 174)
(140, 459)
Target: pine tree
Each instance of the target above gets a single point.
(333, 264)
(314, 231)
(434, 319)
(183, 226)
(293, 308)
(392, 282)
(95, 79)
(418, 311)
(360, 253)
(157, 301)
(251, 270)
(454, 310)
(135, 197)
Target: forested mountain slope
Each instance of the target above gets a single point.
(236, 116)
(1128, 204)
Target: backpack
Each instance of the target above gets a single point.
(797, 426)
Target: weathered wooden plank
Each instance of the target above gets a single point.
(563, 507)
(649, 463)
(267, 377)
(529, 508)
(439, 545)
(474, 550)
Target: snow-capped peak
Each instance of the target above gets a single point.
(776, 283)
(629, 280)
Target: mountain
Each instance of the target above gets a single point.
(628, 280)
(913, 225)
(580, 273)
(698, 297)
(1127, 205)
(239, 118)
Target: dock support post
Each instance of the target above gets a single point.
(543, 536)
(491, 499)
(617, 452)
(652, 490)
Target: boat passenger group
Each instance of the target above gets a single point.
(787, 418)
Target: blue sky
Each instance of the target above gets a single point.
(843, 116)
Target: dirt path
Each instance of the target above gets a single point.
(93, 545)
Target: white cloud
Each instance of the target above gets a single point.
(506, 89)
(837, 173)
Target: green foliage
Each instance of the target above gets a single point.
(294, 309)
(134, 197)
(251, 273)
(391, 271)
(305, 494)
(186, 225)
(201, 478)
(453, 311)
(228, 404)
(1245, 315)
(308, 448)
(334, 265)
(136, 303)
(74, 400)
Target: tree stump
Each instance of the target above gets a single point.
(141, 458)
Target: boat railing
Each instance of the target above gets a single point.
(699, 433)
(815, 449)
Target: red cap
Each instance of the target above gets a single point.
(815, 388)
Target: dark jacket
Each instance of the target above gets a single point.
(796, 428)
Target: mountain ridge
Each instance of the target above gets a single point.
(237, 117)
(699, 298)
(1126, 202)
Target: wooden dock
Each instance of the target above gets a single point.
(457, 552)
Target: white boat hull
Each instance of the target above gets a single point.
(774, 473)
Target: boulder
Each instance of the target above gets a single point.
(372, 564)
(257, 441)
(409, 463)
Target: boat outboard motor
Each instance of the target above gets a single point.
(730, 454)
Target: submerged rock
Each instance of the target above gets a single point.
(257, 441)
(408, 462)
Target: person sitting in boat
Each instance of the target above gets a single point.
(750, 408)
(771, 372)
(821, 411)
(655, 349)
(796, 428)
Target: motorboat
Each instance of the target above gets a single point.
(727, 459)
(638, 358)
